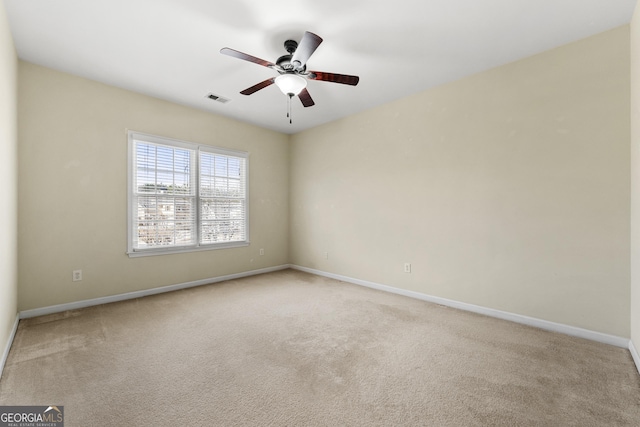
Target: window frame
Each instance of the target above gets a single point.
(197, 148)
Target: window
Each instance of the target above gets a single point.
(184, 196)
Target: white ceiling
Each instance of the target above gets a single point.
(169, 49)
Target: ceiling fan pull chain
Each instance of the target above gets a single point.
(289, 109)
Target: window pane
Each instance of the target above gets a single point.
(222, 203)
(206, 186)
(165, 208)
(156, 233)
(145, 168)
(146, 208)
(221, 166)
(184, 233)
(163, 169)
(184, 209)
(222, 231)
(165, 233)
(234, 188)
(221, 209)
(234, 167)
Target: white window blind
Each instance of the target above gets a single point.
(185, 197)
(222, 198)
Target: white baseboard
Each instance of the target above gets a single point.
(517, 318)
(635, 355)
(139, 294)
(5, 354)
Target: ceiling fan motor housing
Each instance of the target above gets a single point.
(291, 46)
(284, 62)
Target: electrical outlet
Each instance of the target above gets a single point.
(261, 251)
(77, 275)
(407, 267)
(326, 255)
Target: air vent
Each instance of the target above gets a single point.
(218, 98)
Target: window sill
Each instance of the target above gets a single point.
(169, 251)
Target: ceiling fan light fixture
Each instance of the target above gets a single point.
(291, 84)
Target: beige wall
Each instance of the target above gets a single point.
(8, 178)
(635, 179)
(508, 189)
(73, 190)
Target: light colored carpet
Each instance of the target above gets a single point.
(293, 349)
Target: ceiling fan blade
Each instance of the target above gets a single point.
(334, 78)
(305, 49)
(306, 99)
(246, 57)
(257, 87)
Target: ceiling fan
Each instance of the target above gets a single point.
(292, 68)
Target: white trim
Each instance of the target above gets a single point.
(634, 355)
(185, 249)
(517, 318)
(139, 294)
(5, 354)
